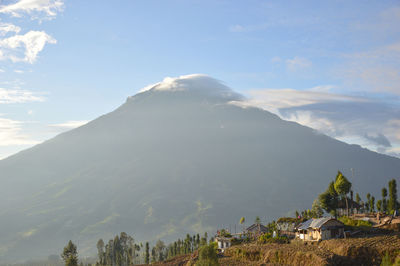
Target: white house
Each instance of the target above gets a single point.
(223, 242)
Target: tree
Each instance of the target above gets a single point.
(384, 202)
(198, 240)
(297, 214)
(257, 220)
(147, 254)
(358, 199)
(70, 254)
(367, 204)
(384, 192)
(159, 250)
(392, 203)
(379, 205)
(153, 255)
(329, 199)
(372, 204)
(343, 187)
(208, 255)
(317, 210)
(100, 251)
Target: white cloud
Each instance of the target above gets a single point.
(10, 133)
(8, 27)
(298, 63)
(24, 48)
(36, 9)
(276, 59)
(19, 71)
(308, 119)
(70, 124)
(18, 96)
(172, 84)
(275, 99)
(369, 122)
(196, 83)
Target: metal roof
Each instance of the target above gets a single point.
(305, 225)
(315, 223)
(260, 227)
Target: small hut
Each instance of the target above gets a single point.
(255, 230)
(320, 229)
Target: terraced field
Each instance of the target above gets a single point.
(351, 251)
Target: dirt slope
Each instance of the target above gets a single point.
(352, 251)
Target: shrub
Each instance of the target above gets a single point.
(208, 255)
(236, 241)
(267, 238)
(354, 223)
(225, 233)
(386, 260)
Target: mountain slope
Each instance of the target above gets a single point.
(174, 159)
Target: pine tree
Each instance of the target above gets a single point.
(329, 199)
(368, 203)
(358, 198)
(100, 251)
(153, 255)
(70, 254)
(343, 187)
(392, 204)
(317, 210)
(198, 241)
(147, 254)
(159, 250)
(372, 204)
(384, 201)
(379, 205)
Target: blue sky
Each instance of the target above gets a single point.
(331, 65)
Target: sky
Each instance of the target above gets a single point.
(330, 65)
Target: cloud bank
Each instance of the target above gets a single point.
(195, 83)
(36, 9)
(369, 122)
(24, 48)
(11, 133)
(18, 96)
(70, 124)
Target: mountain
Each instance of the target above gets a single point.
(179, 157)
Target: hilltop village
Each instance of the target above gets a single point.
(339, 229)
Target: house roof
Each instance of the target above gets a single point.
(315, 223)
(223, 239)
(260, 227)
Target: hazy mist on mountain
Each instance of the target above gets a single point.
(176, 158)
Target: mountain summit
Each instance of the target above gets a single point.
(176, 158)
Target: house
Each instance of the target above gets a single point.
(287, 226)
(223, 242)
(320, 229)
(255, 230)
